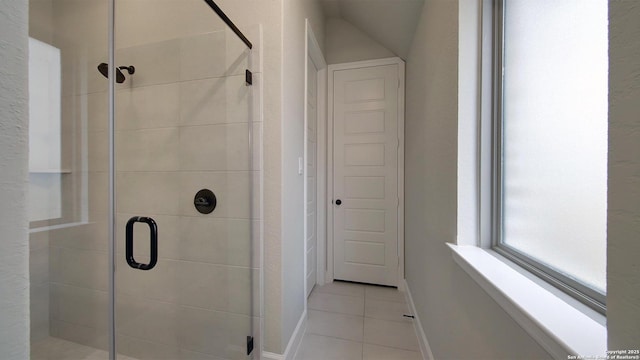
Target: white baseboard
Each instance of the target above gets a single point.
(294, 342)
(425, 349)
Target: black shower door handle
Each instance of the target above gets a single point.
(153, 228)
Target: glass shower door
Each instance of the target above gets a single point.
(68, 179)
(185, 275)
(185, 288)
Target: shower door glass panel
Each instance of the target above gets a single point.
(68, 180)
(182, 125)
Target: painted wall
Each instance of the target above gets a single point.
(41, 20)
(346, 43)
(467, 151)
(390, 23)
(623, 223)
(460, 320)
(293, 90)
(14, 244)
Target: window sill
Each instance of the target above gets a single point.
(557, 326)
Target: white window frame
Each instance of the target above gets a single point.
(51, 158)
(560, 324)
(580, 291)
(46, 201)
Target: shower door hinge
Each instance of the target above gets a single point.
(249, 344)
(248, 77)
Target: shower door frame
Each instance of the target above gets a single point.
(112, 180)
(112, 346)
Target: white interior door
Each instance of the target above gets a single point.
(312, 172)
(365, 181)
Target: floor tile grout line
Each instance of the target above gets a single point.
(334, 337)
(396, 321)
(342, 295)
(382, 298)
(331, 293)
(364, 317)
(392, 347)
(394, 302)
(337, 313)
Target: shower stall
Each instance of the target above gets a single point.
(145, 176)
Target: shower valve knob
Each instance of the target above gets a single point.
(205, 201)
(202, 201)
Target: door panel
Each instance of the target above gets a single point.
(366, 175)
(184, 125)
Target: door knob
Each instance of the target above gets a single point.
(338, 202)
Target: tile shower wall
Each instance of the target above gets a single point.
(39, 283)
(182, 124)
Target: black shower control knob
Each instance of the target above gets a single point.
(201, 201)
(205, 201)
(338, 202)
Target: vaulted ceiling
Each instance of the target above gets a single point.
(392, 23)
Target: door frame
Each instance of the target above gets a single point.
(313, 51)
(328, 149)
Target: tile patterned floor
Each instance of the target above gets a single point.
(358, 322)
(345, 322)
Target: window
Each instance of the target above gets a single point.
(550, 141)
(45, 170)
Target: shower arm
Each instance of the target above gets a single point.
(130, 69)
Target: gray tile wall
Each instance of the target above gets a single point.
(39, 278)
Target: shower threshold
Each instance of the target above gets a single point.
(54, 348)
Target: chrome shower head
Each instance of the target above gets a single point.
(104, 70)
